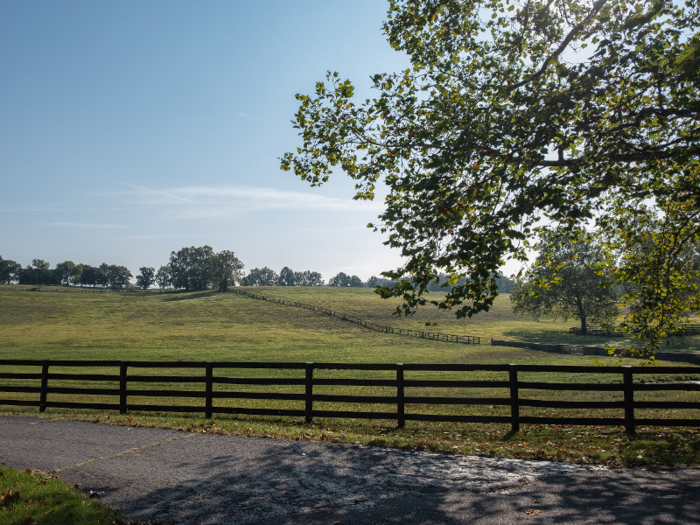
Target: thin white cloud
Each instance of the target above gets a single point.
(83, 225)
(155, 236)
(217, 202)
(250, 198)
(157, 192)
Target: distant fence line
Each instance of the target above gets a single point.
(686, 329)
(434, 336)
(513, 384)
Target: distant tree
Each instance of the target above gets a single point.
(568, 281)
(38, 272)
(372, 282)
(117, 276)
(261, 277)
(286, 277)
(308, 278)
(313, 279)
(356, 282)
(10, 271)
(146, 277)
(227, 269)
(191, 268)
(505, 285)
(68, 272)
(343, 279)
(163, 278)
(93, 276)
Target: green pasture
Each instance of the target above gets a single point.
(208, 326)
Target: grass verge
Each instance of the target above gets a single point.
(30, 497)
(591, 445)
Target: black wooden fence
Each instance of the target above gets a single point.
(435, 336)
(514, 385)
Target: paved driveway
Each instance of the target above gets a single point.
(178, 477)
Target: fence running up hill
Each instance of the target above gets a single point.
(435, 336)
(122, 390)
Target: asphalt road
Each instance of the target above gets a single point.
(178, 477)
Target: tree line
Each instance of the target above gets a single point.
(66, 273)
(190, 268)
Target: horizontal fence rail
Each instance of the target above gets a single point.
(434, 336)
(126, 373)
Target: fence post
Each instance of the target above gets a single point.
(123, 368)
(309, 392)
(210, 390)
(44, 385)
(514, 399)
(629, 399)
(400, 408)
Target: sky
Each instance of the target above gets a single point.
(132, 129)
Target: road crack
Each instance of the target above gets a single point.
(125, 453)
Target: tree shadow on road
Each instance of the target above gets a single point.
(300, 482)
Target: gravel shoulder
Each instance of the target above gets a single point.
(184, 478)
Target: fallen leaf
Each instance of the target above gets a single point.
(10, 496)
(532, 512)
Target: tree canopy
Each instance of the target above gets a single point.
(261, 277)
(146, 277)
(517, 115)
(345, 280)
(226, 269)
(10, 271)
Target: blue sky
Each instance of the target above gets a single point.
(131, 129)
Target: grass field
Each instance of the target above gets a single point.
(202, 326)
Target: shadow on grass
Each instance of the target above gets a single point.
(559, 337)
(183, 295)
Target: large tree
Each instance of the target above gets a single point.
(191, 268)
(117, 276)
(568, 280)
(227, 270)
(513, 115)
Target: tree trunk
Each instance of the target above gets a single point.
(582, 316)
